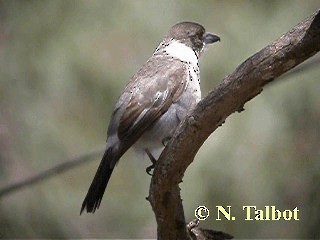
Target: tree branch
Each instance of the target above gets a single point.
(60, 168)
(246, 82)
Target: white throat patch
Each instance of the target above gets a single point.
(182, 52)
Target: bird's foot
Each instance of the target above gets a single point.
(153, 160)
(165, 141)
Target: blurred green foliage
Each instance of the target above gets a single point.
(62, 66)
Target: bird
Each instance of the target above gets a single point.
(153, 103)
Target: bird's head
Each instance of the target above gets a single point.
(192, 35)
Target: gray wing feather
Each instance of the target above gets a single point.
(146, 97)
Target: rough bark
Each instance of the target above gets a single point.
(246, 82)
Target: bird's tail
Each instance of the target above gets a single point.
(100, 181)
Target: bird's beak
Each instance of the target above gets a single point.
(209, 38)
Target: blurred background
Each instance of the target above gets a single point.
(64, 63)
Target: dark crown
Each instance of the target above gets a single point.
(189, 33)
(185, 30)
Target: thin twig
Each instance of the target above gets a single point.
(58, 169)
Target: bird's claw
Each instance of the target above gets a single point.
(153, 160)
(165, 141)
(149, 169)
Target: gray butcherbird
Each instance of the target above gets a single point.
(153, 103)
